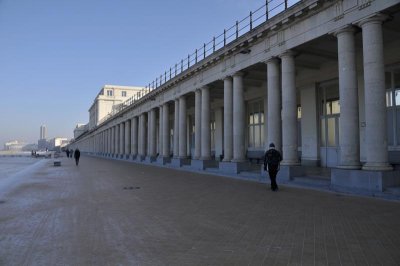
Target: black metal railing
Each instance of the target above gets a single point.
(255, 18)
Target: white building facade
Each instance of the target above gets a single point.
(321, 80)
(109, 97)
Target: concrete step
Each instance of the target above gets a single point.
(312, 181)
(393, 190)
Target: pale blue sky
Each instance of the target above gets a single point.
(55, 55)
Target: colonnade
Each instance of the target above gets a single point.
(137, 136)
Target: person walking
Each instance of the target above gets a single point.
(77, 154)
(272, 161)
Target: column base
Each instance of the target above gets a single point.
(290, 163)
(377, 167)
(288, 172)
(362, 180)
(132, 157)
(350, 167)
(233, 167)
(140, 158)
(203, 164)
(150, 158)
(178, 162)
(163, 160)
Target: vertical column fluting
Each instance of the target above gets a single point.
(239, 121)
(205, 124)
(153, 133)
(182, 128)
(349, 141)
(228, 119)
(165, 129)
(289, 110)
(375, 104)
(274, 104)
(127, 137)
(134, 136)
(197, 126)
(176, 129)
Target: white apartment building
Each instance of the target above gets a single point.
(109, 97)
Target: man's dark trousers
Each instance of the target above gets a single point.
(273, 171)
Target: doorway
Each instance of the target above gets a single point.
(329, 123)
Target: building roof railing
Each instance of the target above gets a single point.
(255, 18)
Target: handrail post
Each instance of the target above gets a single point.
(204, 50)
(213, 44)
(156, 82)
(196, 57)
(181, 65)
(237, 29)
(176, 69)
(285, 4)
(170, 74)
(165, 76)
(224, 37)
(188, 60)
(266, 9)
(251, 20)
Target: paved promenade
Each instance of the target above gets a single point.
(107, 212)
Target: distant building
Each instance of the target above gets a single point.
(43, 144)
(43, 132)
(80, 129)
(109, 97)
(14, 145)
(57, 143)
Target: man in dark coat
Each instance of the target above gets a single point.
(272, 160)
(77, 154)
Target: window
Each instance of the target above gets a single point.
(392, 81)
(212, 133)
(123, 93)
(109, 93)
(256, 124)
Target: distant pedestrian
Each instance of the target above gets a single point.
(77, 154)
(272, 161)
(71, 152)
(67, 152)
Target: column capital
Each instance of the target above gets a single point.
(205, 87)
(345, 29)
(228, 77)
(273, 60)
(238, 73)
(288, 53)
(375, 18)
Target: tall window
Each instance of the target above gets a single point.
(123, 93)
(212, 133)
(109, 93)
(392, 80)
(255, 119)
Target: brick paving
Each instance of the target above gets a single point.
(107, 212)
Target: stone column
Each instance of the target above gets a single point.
(176, 129)
(166, 136)
(205, 124)
(153, 133)
(239, 121)
(160, 130)
(375, 102)
(349, 141)
(197, 126)
(274, 104)
(113, 140)
(117, 138)
(134, 136)
(228, 119)
(182, 128)
(289, 110)
(127, 137)
(143, 135)
(122, 139)
(109, 141)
